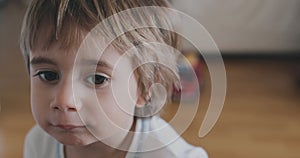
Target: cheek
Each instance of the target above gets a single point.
(120, 112)
(104, 117)
(37, 102)
(124, 92)
(102, 109)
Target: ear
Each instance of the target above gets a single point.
(141, 101)
(142, 98)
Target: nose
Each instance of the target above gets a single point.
(64, 98)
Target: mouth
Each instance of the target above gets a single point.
(68, 127)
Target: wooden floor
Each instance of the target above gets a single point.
(260, 119)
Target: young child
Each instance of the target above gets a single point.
(92, 104)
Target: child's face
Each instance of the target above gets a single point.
(82, 103)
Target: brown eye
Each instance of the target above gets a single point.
(97, 79)
(48, 76)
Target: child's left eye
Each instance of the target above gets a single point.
(97, 79)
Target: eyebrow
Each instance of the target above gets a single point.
(42, 60)
(96, 63)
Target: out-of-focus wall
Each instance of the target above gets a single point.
(248, 25)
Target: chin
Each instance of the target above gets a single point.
(74, 140)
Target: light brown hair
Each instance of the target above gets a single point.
(63, 22)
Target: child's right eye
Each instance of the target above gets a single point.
(48, 76)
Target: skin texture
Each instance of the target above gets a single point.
(77, 102)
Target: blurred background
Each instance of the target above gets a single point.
(260, 44)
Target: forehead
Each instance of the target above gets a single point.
(45, 37)
(74, 41)
(73, 38)
(89, 53)
(86, 49)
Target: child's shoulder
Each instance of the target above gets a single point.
(35, 133)
(166, 141)
(38, 144)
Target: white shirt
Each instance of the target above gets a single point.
(39, 144)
